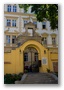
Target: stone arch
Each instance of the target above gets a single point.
(34, 44)
(31, 55)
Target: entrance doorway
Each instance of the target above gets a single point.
(55, 66)
(31, 60)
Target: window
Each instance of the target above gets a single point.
(44, 25)
(14, 8)
(8, 22)
(14, 23)
(55, 66)
(35, 23)
(25, 22)
(53, 41)
(8, 38)
(44, 40)
(25, 56)
(13, 39)
(9, 8)
(36, 56)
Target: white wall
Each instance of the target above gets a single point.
(20, 24)
(5, 7)
(49, 40)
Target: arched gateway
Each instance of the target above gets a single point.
(31, 59)
(32, 53)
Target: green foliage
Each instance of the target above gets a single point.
(48, 70)
(10, 79)
(56, 73)
(42, 11)
(25, 6)
(26, 71)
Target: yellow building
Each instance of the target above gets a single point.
(28, 44)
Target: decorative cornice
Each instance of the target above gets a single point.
(11, 17)
(44, 34)
(53, 35)
(19, 13)
(7, 32)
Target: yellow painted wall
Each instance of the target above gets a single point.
(53, 57)
(17, 61)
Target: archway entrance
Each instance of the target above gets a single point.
(31, 60)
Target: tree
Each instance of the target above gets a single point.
(44, 11)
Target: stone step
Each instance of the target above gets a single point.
(38, 78)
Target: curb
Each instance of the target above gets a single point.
(22, 79)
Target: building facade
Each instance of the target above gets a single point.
(27, 42)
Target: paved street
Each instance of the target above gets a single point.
(39, 78)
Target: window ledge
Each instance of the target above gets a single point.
(44, 29)
(11, 27)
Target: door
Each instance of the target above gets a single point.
(35, 66)
(31, 60)
(55, 66)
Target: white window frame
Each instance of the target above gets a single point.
(13, 23)
(9, 8)
(25, 22)
(14, 8)
(8, 39)
(35, 23)
(8, 22)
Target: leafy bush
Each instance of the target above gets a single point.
(56, 73)
(26, 71)
(48, 70)
(10, 79)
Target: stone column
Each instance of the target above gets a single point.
(5, 7)
(5, 40)
(17, 8)
(33, 56)
(49, 40)
(11, 8)
(57, 39)
(20, 24)
(10, 40)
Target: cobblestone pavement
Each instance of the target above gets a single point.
(39, 78)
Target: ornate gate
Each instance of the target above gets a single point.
(31, 60)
